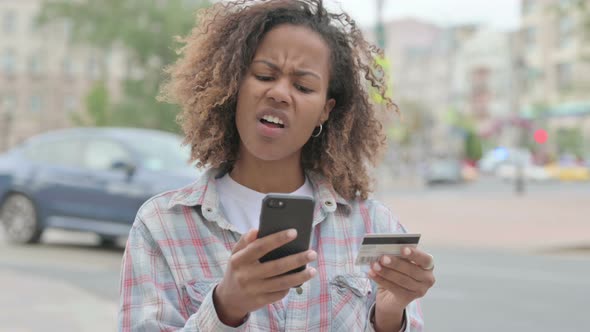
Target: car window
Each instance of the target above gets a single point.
(64, 152)
(161, 152)
(101, 154)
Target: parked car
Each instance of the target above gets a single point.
(87, 179)
(493, 159)
(569, 172)
(443, 170)
(531, 172)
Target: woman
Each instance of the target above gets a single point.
(273, 100)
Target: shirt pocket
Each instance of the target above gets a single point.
(350, 297)
(195, 291)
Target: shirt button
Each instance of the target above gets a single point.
(209, 210)
(328, 203)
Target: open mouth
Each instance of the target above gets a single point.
(272, 122)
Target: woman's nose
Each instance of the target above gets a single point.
(279, 91)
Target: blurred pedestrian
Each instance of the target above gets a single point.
(274, 99)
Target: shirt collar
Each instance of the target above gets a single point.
(325, 194)
(197, 192)
(203, 192)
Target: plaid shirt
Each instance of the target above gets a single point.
(180, 243)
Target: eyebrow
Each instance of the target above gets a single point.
(298, 72)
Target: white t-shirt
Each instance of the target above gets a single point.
(241, 205)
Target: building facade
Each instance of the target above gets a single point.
(556, 56)
(555, 53)
(44, 77)
(486, 85)
(423, 57)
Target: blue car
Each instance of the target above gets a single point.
(87, 179)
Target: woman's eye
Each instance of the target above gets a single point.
(264, 78)
(303, 89)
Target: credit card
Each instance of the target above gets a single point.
(376, 245)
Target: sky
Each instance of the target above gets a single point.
(499, 14)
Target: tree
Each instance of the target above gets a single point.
(410, 134)
(146, 30)
(570, 141)
(472, 143)
(383, 69)
(414, 123)
(473, 146)
(97, 108)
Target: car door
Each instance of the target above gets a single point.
(114, 194)
(58, 179)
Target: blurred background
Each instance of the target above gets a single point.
(488, 158)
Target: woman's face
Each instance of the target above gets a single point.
(282, 96)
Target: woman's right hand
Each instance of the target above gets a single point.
(249, 285)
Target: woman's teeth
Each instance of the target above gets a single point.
(273, 119)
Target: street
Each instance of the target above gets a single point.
(65, 284)
(502, 263)
(485, 290)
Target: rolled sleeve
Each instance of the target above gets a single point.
(415, 324)
(206, 318)
(370, 327)
(414, 317)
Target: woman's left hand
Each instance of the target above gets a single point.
(401, 280)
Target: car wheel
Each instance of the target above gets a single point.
(19, 219)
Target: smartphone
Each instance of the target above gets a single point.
(281, 212)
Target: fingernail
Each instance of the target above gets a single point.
(407, 251)
(292, 233)
(312, 255)
(376, 267)
(386, 260)
(312, 272)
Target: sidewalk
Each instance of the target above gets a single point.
(51, 304)
(535, 222)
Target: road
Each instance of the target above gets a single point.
(65, 284)
(502, 263)
(485, 291)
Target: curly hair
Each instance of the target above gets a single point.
(216, 56)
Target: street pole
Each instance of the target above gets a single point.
(7, 115)
(519, 183)
(379, 27)
(519, 179)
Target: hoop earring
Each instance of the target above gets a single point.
(319, 132)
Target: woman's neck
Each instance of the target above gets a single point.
(283, 176)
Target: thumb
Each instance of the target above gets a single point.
(245, 240)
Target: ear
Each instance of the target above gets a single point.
(330, 103)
